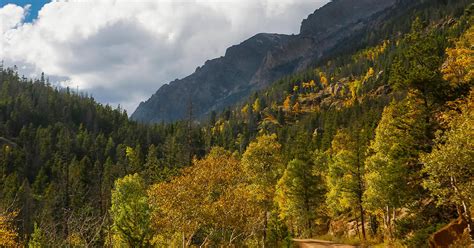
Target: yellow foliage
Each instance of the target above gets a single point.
(458, 68)
(324, 80)
(75, 240)
(309, 85)
(370, 73)
(257, 105)
(8, 234)
(354, 87)
(6, 149)
(222, 127)
(270, 118)
(211, 193)
(287, 104)
(129, 152)
(296, 107)
(245, 109)
(296, 88)
(372, 53)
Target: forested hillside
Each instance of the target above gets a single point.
(62, 152)
(373, 145)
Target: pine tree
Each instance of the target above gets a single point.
(299, 193)
(345, 177)
(393, 162)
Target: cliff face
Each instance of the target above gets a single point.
(218, 83)
(258, 61)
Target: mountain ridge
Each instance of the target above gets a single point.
(256, 62)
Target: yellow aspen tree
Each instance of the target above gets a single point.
(287, 104)
(8, 233)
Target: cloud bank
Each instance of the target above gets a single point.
(123, 51)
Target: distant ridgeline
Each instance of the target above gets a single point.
(356, 128)
(339, 27)
(257, 62)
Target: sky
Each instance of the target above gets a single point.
(122, 51)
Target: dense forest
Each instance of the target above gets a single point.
(373, 146)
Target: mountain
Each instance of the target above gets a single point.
(218, 83)
(257, 62)
(362, 136)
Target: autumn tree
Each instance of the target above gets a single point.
(263, 165)
(287, 104)
(130, 212)
(8, 232)
(458, 68)
(450, 166)
(209, 198)
(323, 79)
(296, 108)
(257, 105)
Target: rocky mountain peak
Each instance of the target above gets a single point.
(257, 62)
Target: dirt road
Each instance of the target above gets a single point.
(314, 243)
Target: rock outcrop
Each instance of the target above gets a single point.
(257, 62)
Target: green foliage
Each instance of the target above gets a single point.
(37, 239)
(345, 177)
(130, 212)
(417, 64)
(263, 164)
(71, 149)
(400, 136)
(450, 165)
(299, 195)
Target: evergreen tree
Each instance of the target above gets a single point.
(393, 166)
(299, 193)
(345, 176)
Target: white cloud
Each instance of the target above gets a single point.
(11, 16)
(123, 51)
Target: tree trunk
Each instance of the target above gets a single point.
(468, 216)
(265, 224)
(306, 201)
(362, 221)
(467, 209)
(357, 228)
(361, 188)
(388, 222)
(184, 240)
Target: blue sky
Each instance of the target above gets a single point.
(36, 5)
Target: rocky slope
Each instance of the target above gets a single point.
(258, 61)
